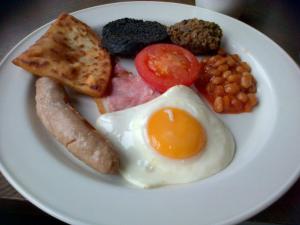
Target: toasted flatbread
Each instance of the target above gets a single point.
(71, 53)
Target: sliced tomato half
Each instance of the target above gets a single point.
(165, 65)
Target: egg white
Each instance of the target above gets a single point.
(145, 167)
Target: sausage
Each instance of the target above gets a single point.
(71, 129)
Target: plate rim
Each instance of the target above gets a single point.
(61, 216)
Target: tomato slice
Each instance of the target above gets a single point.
(165, 65)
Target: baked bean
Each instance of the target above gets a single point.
(246, 74)
(236, 57)
(226, 102)
(246, 66)
(205, 60)
(246, 81)
(252, 99)
(240, 69)
(237, 104)
(248, 107)
(219, 90)
(232, 88)
(230, 61)
(242, 97)
(220, 62)
(215, 72)
(210, 88)
(252, 89)
(218, 104)
(226, 74)
(233, 78)
(211, 59)
(217, 80)
(214, 58)
(223, 68)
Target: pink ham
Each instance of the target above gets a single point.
(127, 91)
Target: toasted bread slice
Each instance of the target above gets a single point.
(71, 53)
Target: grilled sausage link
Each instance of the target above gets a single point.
(70, 129)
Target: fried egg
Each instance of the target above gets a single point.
(172, 139)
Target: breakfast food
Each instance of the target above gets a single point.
(127, 90)
(228, 84)
(196, 35)
(170, 140)
(70, 129)
(69, 52)
(165, 65)
(154, 128)
(125, 37)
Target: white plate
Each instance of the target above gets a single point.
(265, 166)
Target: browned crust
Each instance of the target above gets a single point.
(71, 53)
(70, 129)
(100, 105)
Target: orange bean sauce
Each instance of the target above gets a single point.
(227, 84)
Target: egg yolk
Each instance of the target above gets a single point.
(176, 134)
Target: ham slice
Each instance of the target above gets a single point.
(128, 91)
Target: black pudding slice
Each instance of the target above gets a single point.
(126, 37)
